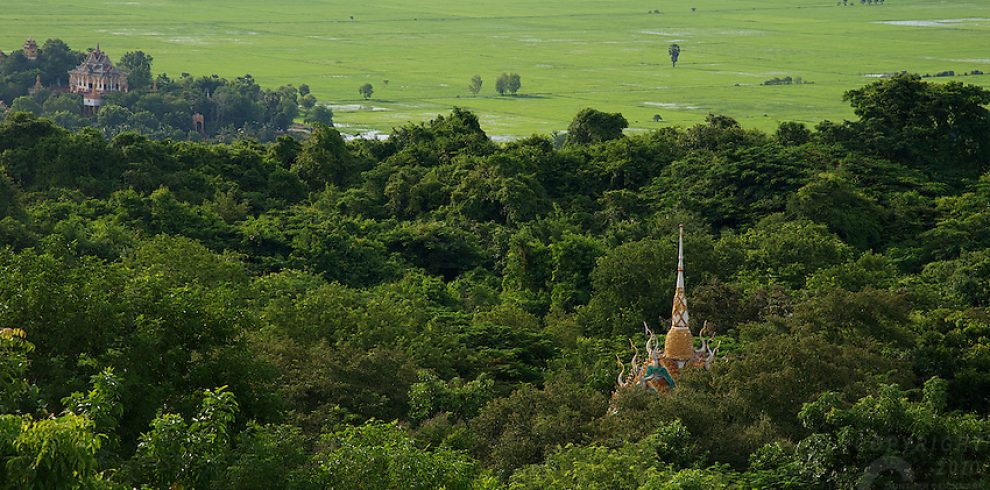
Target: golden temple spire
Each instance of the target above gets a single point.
(679, 344)
(679, 314)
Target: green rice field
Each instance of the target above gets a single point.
(612, 55)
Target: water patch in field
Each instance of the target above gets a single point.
(537, 40)
(741, 32)
(368, 134)
(355, 108)
(984, 61)
(503, 138)
(198, 41)
(933, 23)
(189, 40)
(129, 32)
(672, 105)
(666, 33)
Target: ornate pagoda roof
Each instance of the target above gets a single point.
(661, 367)
(98, 64)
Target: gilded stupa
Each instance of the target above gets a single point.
(661, 368)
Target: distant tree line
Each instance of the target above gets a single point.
(506, 83)
(787, 80)
(160, 106)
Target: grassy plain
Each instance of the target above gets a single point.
(571, 54)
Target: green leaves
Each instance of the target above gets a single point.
(176, 452)
(942, 128)
(377, 455)
(592, 126)
(926, 444)
(50, 453)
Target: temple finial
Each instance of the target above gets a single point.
(679, 315)
(680, 257)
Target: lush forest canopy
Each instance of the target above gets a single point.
(438, 310)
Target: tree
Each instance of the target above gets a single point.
(366, 90)
(267, 457)
(56, 59)
(114, 119)
(308, 101)
(175, 453)
(508, 82)
(783, 252)
(10, 203)
(431, 396)
(593, 126)
(675, 52)
(138, 68)
(377, 455)
(320, 114)
(324, 159)
(49, 453)
(942, 128)
(514, 83)
(521, 428)
(791, 133)
(303, 89)
(475, 85)
(502, 83)
(52, 452)
(26, 104)
(67, 102)
(874, 443)
(839, 204)
(626, 467)
(15, 388)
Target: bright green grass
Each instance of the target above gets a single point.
(608, 54)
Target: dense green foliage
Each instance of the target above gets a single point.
(440, 311)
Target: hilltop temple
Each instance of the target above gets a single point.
(96, 76)
(661, 367)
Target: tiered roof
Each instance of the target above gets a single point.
(30, 49)
(98, 64)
